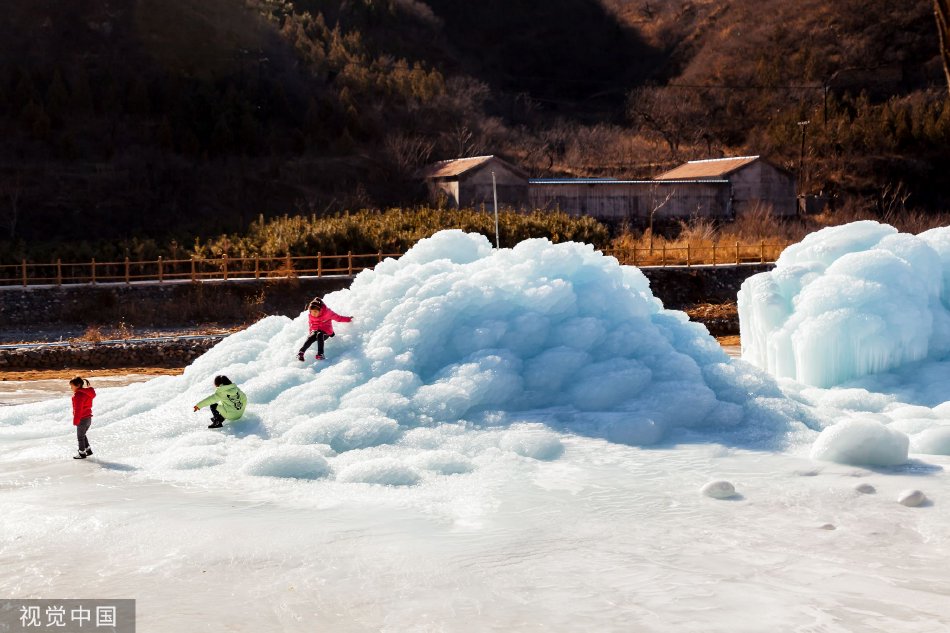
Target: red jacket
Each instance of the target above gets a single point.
(323, 322)
(82, 404)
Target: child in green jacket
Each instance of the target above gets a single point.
(227, 402)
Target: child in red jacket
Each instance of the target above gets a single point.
(321, 326)
(82, 413)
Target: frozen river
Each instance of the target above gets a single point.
(24, 391)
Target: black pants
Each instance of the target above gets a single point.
(81, 429)
(317, 336)
(215, 416)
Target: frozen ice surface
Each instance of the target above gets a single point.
(607, 537)
(500, 440)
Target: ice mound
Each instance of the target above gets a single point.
(864, 442)
(297, 462)
(849, 301)
(720, 489)
(537, 443)
(911, 498)
(380, 470)
(934, 440)
(458, 354)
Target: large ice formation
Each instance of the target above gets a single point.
(849, 301)
(456, 351)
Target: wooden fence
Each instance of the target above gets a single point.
(193, 269)
(713, 254)
(200, 269)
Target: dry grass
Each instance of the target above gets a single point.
(98, 333)
(93, 334)
(760, 236)
(123, 330)
(713, 310)
(394, 230)
(286, 270)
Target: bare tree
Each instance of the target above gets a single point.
(673, 115)
(465, 141)
(942, 13)
(408, 152)
(892, 201)
(554, 141)
(656, 208)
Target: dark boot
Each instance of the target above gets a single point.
(216, 418)
(300, 356)
(81, 455)
(88, 451)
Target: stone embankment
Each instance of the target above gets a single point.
(159, 352)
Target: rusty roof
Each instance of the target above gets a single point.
(709, 168)
(458, 166)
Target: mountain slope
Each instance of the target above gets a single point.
(127, 118)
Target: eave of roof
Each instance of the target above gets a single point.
(708, 168)
(458, 166)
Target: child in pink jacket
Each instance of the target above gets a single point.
(321, 326)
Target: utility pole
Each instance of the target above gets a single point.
(824, 106)
(801, 159)
(494, 192)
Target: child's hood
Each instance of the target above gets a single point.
(224, 390)
(89, 392)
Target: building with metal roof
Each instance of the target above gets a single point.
(468, 182)
(708, 168)
(754, 182)
(719, 188)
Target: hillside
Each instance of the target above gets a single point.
(173, 118)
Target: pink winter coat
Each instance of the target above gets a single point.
(323, 322)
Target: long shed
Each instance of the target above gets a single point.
(633, 201)
(718, 188)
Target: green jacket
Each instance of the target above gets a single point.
(232, 401)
